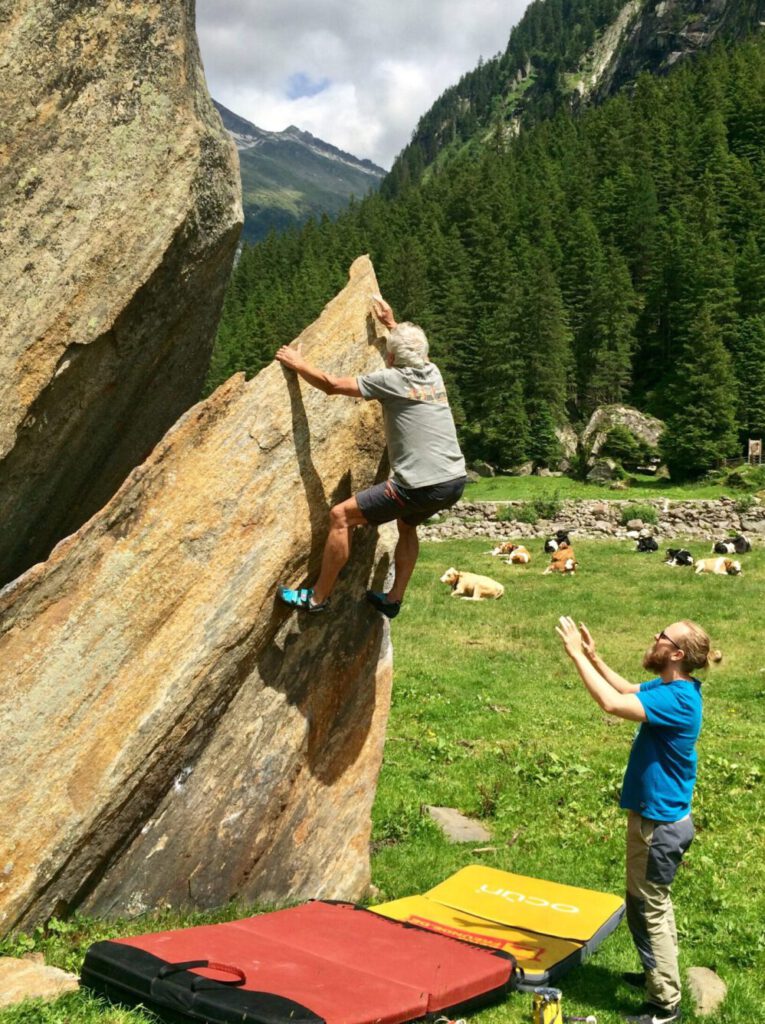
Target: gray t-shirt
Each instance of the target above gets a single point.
(419, 426)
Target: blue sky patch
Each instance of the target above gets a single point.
(300, 84)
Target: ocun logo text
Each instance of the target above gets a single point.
(530, 901)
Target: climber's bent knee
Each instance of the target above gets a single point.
(346, 515)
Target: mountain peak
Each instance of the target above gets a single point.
(291, 175)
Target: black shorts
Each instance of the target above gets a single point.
(388, 501)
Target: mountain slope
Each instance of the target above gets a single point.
(609, 255)
(561, 53)
(290, 176)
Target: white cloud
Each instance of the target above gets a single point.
(386, 61)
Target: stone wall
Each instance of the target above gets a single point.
(602, 519)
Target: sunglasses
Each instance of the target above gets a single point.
(663, 636)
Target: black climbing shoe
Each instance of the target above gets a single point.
(382, 604)
(652, 1014)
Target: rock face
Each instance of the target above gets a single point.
(660, 34)
(171, 735)
(119, 216)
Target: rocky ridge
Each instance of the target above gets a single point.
(659, 34)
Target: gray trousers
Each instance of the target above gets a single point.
(654, 852)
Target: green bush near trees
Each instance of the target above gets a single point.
(621, 444)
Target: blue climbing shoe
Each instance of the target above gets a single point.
(301, 599)
(382, 604)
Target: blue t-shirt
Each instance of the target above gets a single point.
(661, 770)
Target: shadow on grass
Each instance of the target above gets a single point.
(601, 989)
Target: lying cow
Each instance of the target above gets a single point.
(719, 566)
(470, 585)
(738, 545)
(515, 554)
(553, 543)
(563, 560)
(678, 556)
(647, 544)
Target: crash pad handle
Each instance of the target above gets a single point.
(212, 965)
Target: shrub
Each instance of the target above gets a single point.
(626, 448)
(645, 512)
(745, 504)
(547, 508)
(531, 511)
(744, 477)
(523, 512)
(622, 445)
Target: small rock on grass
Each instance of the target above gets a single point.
(456, 827)
(707, 989)
(28, 979)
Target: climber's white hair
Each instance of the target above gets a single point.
(408, 345)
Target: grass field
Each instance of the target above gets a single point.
(526, 488)
(489, 717)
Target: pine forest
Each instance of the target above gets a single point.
(611, 254)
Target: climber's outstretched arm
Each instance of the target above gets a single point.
(293, 360)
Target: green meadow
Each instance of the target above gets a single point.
(638, 488)
(489, 717)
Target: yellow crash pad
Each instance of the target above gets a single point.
(531, 904)
(546, 926)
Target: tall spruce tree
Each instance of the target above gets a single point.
(750, 364)
(700, 430)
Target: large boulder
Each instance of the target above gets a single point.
(171, 734)
(642, 426)
(119, 216)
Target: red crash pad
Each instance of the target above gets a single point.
(330, 962)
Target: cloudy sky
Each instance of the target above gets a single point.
(356, 73)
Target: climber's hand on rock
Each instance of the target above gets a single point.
(290, 357)
(383, 312)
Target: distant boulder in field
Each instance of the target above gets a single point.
(120, 211)
(646, 429)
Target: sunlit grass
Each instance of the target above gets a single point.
(489, 717)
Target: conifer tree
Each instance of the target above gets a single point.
(750, 365)
(700, 431)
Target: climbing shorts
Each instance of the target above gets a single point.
(387, 501)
